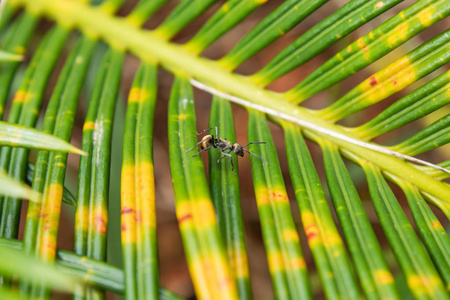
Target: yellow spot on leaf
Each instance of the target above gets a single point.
(21, 96)
(146, 195)
(311, 229)
(398, 34)
(238, 261)
(128, 205)
(136, 95)
(290, 235)
(437, 225)
(20, 50)
(211, 277)
(199, 214)
(275, 260)
(383, 277)
(423, 284)
(88, 126)
(379, 4)
(426, 16)
(82, 218)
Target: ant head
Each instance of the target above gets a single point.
(238, 150)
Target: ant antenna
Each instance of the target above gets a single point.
(262, 158)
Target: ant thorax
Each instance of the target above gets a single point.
(224, 145)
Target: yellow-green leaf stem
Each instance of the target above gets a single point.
(206, 256)
(138, 214)
(145, 44)
(281, 240)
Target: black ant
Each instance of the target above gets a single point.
(210, 140)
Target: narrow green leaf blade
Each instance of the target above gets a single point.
(284, 255)
(183, 14)
(230, 14)
(342, 22)
(224, 186)
(375, 276)
(419, 103)
(14, 135)
(138, 212)
(432, 136)
(143, 10)
(435, 237)
(275, 25)
(421, 276)
(68, 197)
(7, 56)
(9, 186)
(205, 254)
(406, 70)
(371, 47)
(13, 262)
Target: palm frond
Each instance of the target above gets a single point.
(209, 216)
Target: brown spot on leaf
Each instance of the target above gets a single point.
(373, 81)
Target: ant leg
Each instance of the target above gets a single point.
(231, 159)
(224, 155)
(208, 129)
(262, 158)
(253, 143)
(203, 150)
(194, 146)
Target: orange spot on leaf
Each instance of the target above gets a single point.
(185, 218)
(312, 232)
(100, 225)
(126, 210)
(373, 81)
